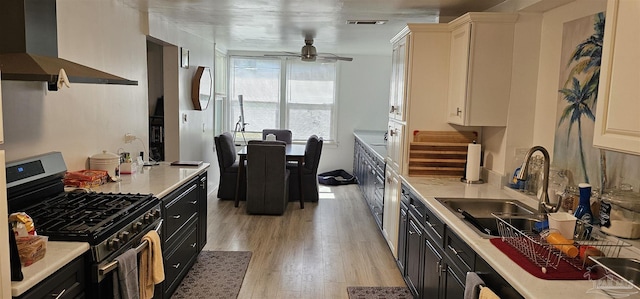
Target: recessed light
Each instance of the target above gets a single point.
(366, 22)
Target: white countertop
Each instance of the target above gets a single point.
(58, 254)
(374, 140)
(158, 180)
(526, 284)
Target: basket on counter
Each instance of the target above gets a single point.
(532, 244)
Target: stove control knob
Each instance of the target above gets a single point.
(124, 236)
(156, 214)
(147, 219)
(113, 244)
(137, 227)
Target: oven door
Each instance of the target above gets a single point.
(102, 274)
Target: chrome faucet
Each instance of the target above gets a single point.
(545, 205)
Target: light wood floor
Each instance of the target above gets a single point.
(311, 253)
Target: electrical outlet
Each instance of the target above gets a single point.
(128, 138)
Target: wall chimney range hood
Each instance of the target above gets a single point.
(29, 47)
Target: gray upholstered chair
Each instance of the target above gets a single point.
(227, 161)
(267, 178)
(282, 135)
(312, 153)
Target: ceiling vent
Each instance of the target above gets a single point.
(366, 22)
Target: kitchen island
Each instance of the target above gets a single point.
(165, 182)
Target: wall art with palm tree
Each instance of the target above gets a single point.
(577, 97)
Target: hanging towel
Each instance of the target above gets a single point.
(151, 267)
(125, 279)
(487, 293)
(472, 282)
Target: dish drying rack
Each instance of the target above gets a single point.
(545, 255)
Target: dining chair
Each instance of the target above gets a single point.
(267, 178)
(282, 135)
(227, 161)
(312, 152)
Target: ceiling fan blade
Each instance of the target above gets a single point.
(286, 54)
(334, 57)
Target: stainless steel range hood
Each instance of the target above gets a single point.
(29, 47)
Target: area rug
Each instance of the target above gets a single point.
(379, 293)
(215, 274)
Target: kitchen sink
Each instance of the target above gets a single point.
(479, 212)
(625, 268)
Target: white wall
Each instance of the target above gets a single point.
(534, 86)
(88, 118)
(363, 97)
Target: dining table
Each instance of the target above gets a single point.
(293, 152)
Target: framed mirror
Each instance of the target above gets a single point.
(201, 88)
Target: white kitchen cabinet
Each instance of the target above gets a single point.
(420, 64)
(617, 125)
(395, 146)
(480, 69)
(398, 79)
(391, 212)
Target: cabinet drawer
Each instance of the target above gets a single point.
(68, 281)
(459, 252)
(178, 262)
(417, 209)
(180, 209)
(434, 227)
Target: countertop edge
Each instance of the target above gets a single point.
(376, 149)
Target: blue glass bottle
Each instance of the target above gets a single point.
(583, 211)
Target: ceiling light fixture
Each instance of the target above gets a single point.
(366, 22)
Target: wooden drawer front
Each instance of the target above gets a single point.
(178, 262)
(180, 209)
(459, 252)
(434, 227)
(70, 280)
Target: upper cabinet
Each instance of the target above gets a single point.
(480, 69)
(617, 125)
(398, 78)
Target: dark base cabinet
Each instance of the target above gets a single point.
(184, 231)
(368, 169)
(68, 282)
(434, 260)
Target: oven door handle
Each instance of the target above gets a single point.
(114, 264)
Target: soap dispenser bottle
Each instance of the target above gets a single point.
(583, 211)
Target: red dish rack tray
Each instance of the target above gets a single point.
(545, 255)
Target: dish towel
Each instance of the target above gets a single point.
(471, 285)
(125, 280)
(487, 293)
(151, 267)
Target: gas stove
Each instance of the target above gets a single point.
(110, 222)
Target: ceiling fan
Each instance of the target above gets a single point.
(309, 53)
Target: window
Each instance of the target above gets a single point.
(282, 93)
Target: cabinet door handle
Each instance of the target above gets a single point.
(59, 295)
(458, 111)
(456, 252)
(393, 109)
(176, 266)
(193, 245)
(176, 216)
(193, 202)
(411, 232)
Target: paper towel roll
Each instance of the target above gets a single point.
(473, 162)
(270, 137)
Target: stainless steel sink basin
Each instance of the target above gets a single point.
(625, 268)
(515, 212)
